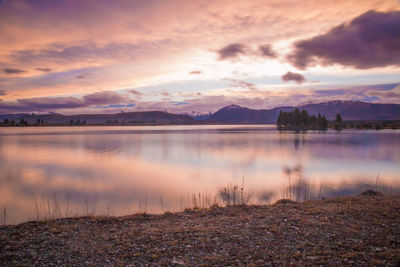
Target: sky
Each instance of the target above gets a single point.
(104, 56)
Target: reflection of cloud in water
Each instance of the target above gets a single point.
(119, 168)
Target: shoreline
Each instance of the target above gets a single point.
(355, 230)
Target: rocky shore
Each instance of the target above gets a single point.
(361, 230)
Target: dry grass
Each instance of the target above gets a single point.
(360, 230)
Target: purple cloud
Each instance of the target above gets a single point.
(368, 41)
(291, 76)
(13, 71)
(83, 76)
(61, 53)
(44, 104)
(105, 97)
(231, 51)
(44, 69)
(135, 92)
(267, 51)
(386, 95)
(241, 84)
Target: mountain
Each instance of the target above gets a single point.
(349, 110)
(157, 117)
(237, 114)
(197, 115)
(355, 110)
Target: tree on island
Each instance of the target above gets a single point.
(338, 124)
(301, 120)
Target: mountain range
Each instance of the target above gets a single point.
(349, 110)
(128, 118)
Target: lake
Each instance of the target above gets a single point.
(66, 171)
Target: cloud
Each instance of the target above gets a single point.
(291, 76)
(105, 97)
(196, 72)
(370, 40)
(267, 51)
(135, 92)
(113, 106)
(385, 95)
(13, 71)
(138, 95)
(46, 104)
(381, 93)
(178, 103)
(88, 53)
(241, 84)
(232, 51)
(83, 76)
(44, 69)
(165, 93)
(2, 92)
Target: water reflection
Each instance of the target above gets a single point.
(118, 170)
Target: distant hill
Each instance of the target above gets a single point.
(157, 117)
(237, 114)
(349, 110)
(355, 110)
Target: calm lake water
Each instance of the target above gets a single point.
(47, 172)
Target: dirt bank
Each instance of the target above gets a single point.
(361, 230)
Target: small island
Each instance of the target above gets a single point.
(301, 121)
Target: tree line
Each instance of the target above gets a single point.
(301, 120)
(21, 122)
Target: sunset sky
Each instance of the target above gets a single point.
(195, 56)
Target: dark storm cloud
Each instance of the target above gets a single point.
(291, 76)
(267, 51)
(13, 71)
(368, 41)
(52, 103)
(44, 69)
(231, 51)
(196, 72)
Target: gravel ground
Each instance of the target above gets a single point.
(361, 231)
